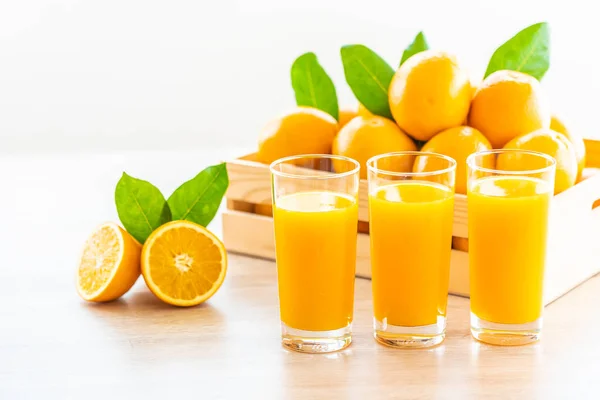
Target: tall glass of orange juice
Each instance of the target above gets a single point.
(508, 206)
(315, 211)
(411, 205)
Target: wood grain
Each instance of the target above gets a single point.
(56, 346)
(250, 182)
(261, 243)
(573, 252)
(53, 345)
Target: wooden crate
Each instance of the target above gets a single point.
(574, 233)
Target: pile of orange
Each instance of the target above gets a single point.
(435, 107)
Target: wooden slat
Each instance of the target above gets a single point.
(459, 243)
(573, 251)
(459, 273)
(363, 260)
(250, 181)
(460, 228)
(240, 206)
(248, 234)
(573, 244)
(261, 243)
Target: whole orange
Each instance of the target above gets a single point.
(576, 140)
(304, 130)
(430, 92)
(506, 105)
(346, 115)
(365, 137)
(457, 143)
(549, 142)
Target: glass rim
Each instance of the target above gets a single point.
(372, 160)
(326, 175)
(550, 159)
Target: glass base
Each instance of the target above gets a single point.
(505, 334)
(315, 341)
(410, 337)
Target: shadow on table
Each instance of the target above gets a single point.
(143, 310)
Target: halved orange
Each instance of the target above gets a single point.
(183, 263)
(109, 265)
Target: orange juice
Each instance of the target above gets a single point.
(508, 223)
(411, 239)
(315, 235)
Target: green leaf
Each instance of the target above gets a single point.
(198, 199)
(141, 207)
(418, 45)
(528, 52)
(312, 86)
(369, 77)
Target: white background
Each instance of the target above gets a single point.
(114, 75)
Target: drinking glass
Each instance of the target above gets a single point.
(410, 226)
(315, 211)
(508, 195)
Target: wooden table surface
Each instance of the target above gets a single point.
(54, 345)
